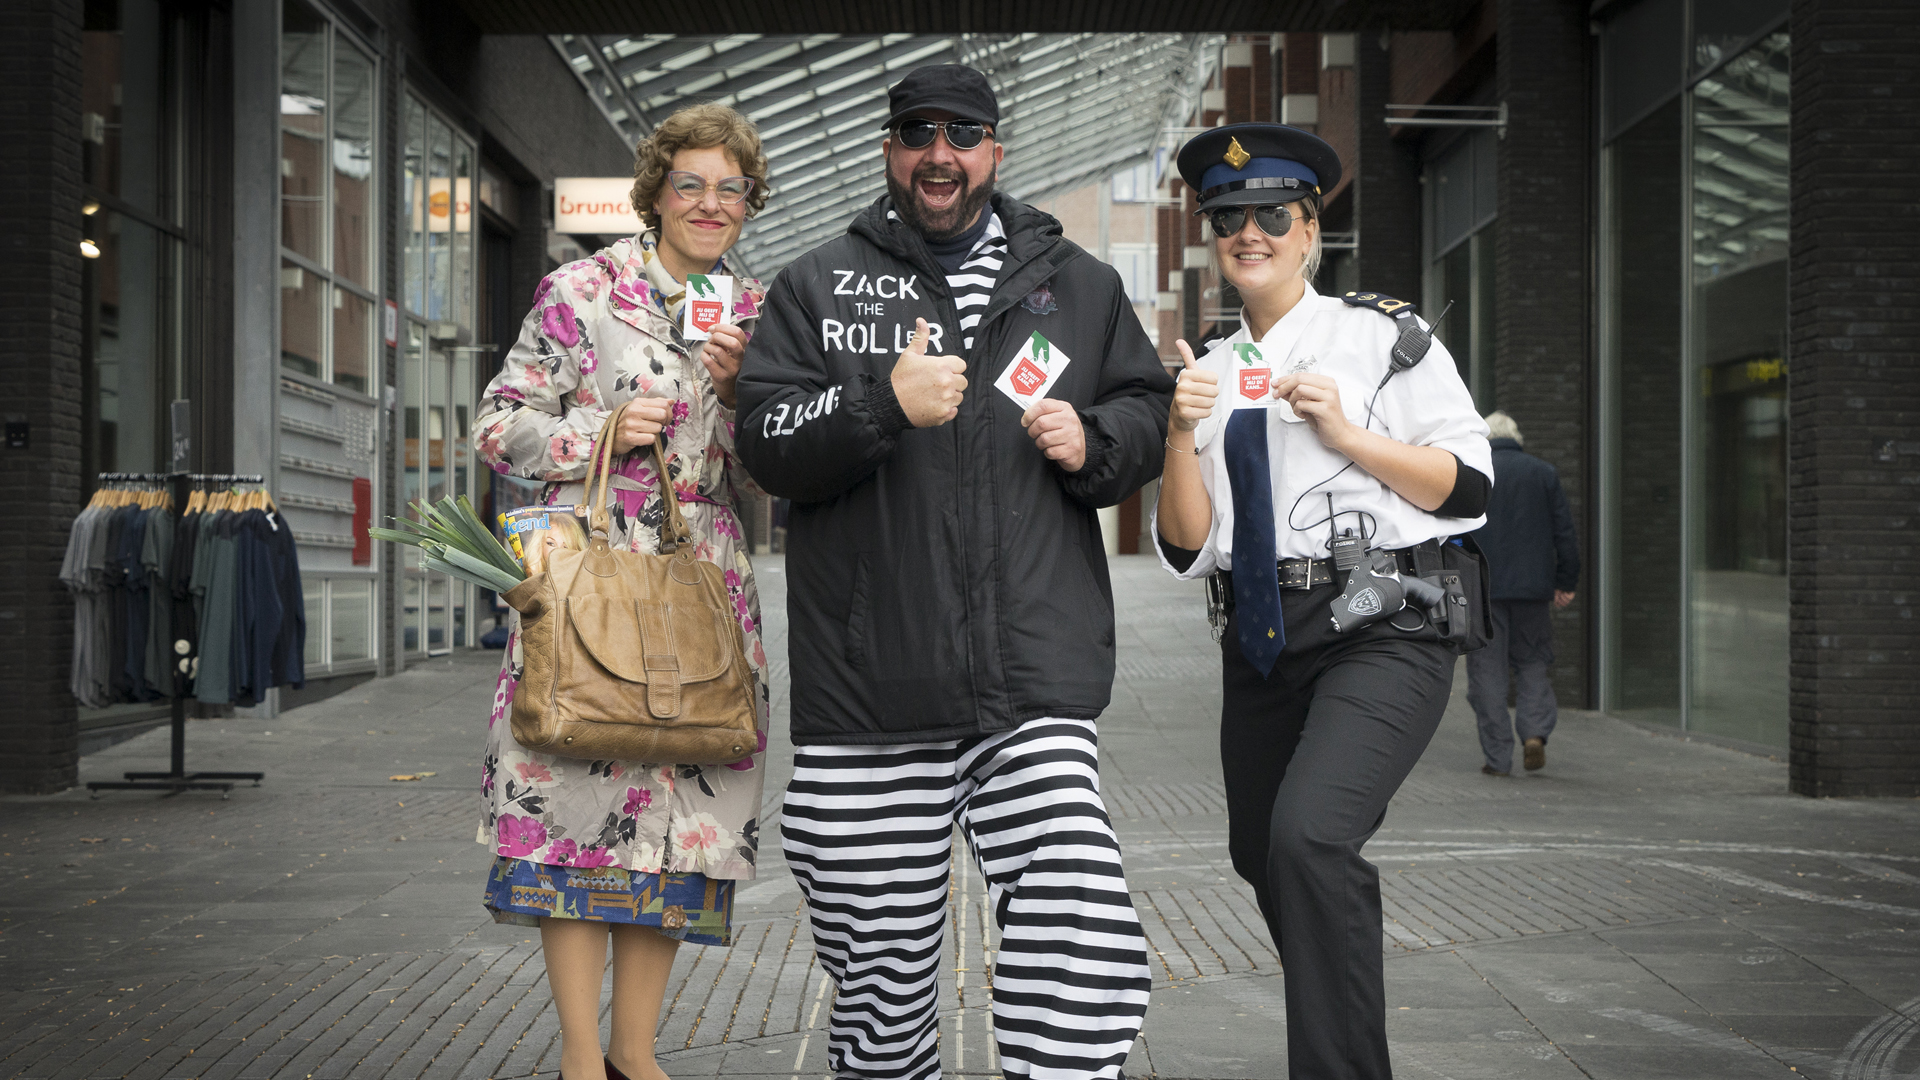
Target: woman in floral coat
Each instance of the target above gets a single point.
(644, 853)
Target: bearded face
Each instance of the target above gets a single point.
(938, 191)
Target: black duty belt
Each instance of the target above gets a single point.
(1304, 574)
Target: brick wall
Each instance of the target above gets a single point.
(1386, 181)
(1543, 276)
(40, 320)
(1854, 294)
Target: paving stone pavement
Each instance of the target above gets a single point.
(1643, 907)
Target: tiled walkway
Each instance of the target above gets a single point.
(1644, 907)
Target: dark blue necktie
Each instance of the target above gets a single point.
(1256, 577)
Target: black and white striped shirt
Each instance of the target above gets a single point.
(972, 284)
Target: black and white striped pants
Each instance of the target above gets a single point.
(868, 831)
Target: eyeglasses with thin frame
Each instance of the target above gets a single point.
(1229, 220)
(693, 187)
(917, 133)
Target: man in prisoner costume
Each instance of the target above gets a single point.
(948, 393)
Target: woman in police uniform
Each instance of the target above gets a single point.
(1297, 431)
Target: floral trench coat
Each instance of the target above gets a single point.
(599, 334)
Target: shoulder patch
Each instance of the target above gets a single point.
(1380, 302)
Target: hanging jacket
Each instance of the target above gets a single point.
(949, 581)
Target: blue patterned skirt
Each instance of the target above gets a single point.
(687, 907)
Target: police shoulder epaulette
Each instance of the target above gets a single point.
(1380, 302)
(1414, 340)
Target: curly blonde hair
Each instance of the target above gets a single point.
(697, 127)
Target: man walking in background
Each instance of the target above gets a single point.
(1533, 561)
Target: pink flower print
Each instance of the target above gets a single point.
(511, 392)
(701, 837)
(731, 577)
(593, 856)
(562, 853)
(759, 747)
(759, 656)
(725, 525)
(616, 770)
(569, 448)
(502, 467)
(556, 321)
(589, 363)
(680, 412)
(520, 836)
(638, 799)
(532, 772)
(540, 291)
(536, 377)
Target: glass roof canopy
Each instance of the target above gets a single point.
(1074, 108)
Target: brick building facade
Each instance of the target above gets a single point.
(213, 204)
(1678, 239)
(1705, 325)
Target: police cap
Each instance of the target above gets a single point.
(1257, 165)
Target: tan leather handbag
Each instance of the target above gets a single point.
(630, 656)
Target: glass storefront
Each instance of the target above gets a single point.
(437, 377)
(329, 349)
(1462, 198)
(131, 237)
(1694, 374)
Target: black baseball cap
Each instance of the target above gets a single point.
(954, 88)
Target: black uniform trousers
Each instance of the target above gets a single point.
(1312, 754)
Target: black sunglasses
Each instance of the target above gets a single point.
(1229, 220)
(918, 134)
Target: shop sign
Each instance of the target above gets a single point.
(392, 324)
(443, 204)
(593, 206)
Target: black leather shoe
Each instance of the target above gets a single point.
(614, 1073)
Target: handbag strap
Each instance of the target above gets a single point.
(673, 530)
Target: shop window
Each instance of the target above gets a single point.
(1462, 197)
(1737, 594)
(1643, 290)
(1694, 375)
(130, 238)
(438, 380)
(328, 219)
(1642, 60)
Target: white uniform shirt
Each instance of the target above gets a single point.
(1426, 406)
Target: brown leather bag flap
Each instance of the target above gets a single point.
(624, 635)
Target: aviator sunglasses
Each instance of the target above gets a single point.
(918, 134)
(1229, 220)
(693, 187)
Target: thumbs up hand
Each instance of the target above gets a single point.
(1194, 395)
(929, 388)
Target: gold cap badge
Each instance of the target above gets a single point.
(1236, 154)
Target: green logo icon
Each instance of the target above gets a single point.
(1249, 355)
(1041, 348)
(699, 285)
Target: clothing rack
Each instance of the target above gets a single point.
(177, 778)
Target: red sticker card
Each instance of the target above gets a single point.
(1255, 382)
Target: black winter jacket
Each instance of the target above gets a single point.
(1529, 539)
(950, 581)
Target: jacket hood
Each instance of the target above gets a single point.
(1030, 232)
